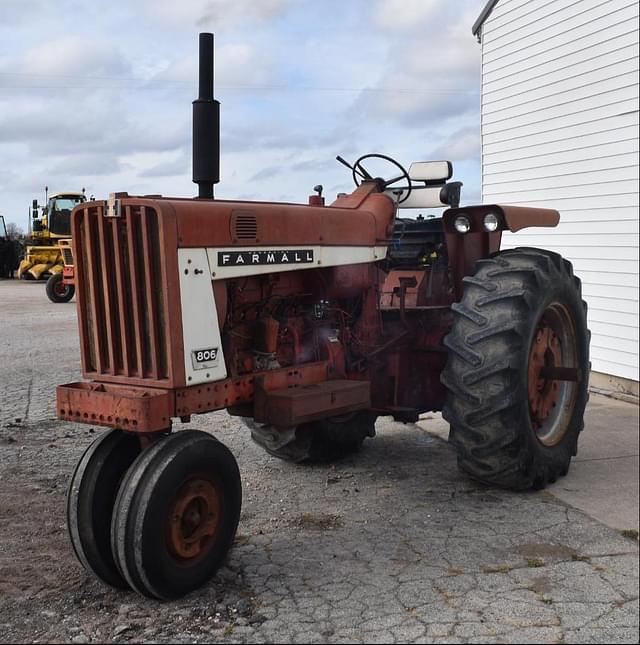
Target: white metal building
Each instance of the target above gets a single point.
(560, 130)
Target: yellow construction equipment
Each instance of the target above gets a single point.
(60, 286)
(49, 224)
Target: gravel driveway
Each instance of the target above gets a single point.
(391, 545)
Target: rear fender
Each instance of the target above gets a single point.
(465, 249)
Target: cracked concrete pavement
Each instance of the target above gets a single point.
(392, 545)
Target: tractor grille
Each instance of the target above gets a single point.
(67, 256)
(124, 319)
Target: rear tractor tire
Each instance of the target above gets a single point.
(317, 441)
(57, 291)
(518, 367)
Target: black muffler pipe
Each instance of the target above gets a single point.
(206, 125)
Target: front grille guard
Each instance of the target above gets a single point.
(128, 298)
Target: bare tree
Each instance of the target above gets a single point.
(14, 231)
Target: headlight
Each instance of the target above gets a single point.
(462, 224)
(490, 223)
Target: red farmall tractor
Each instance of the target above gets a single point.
(308, 321)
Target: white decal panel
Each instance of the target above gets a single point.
(203, 357)
(245, 261)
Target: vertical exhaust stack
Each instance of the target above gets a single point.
(206, 125)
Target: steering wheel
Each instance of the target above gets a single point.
(359, 171)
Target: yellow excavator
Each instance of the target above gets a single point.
(49, 224)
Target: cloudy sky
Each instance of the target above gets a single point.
(99, 94)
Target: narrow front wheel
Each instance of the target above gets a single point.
(176, 514)
(90, 501)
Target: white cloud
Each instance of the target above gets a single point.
(19, 12)
(236, 64)
(173, 165)
(99, 122)
(100, 95)
(461, 145)
(405, 15)
(214, 13)
(84, 164)
(433, 63)
(73, 55)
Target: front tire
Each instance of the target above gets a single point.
(176, 514)
(57, 291)
(90, 501)
(513, 421)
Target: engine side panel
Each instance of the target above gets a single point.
(202, 343)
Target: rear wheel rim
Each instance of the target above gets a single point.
(551, 401)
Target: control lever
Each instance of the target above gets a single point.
(344, 163)
(364, 175)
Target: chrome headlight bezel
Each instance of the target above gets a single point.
(491, 223)
(462, 224)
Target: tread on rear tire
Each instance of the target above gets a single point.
(317, 441)
(495, 424)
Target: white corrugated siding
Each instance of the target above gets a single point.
(560, 129)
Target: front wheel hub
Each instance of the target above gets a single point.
(193, 519)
